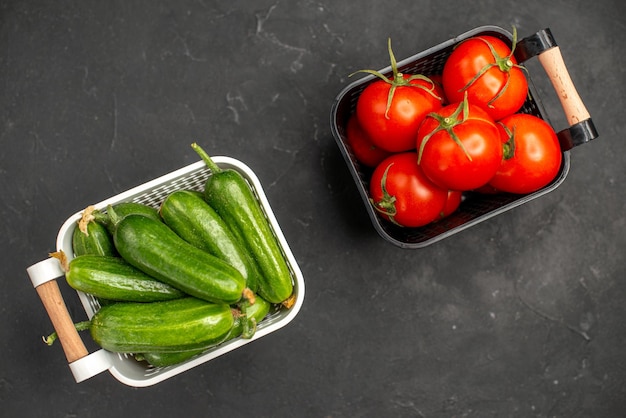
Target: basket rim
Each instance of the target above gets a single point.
(119, 367)
(374, 217)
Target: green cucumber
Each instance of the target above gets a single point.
(228, 192)
(91, 237)
(169, 326)
(95, 239)
(190, 216)
(255, 312)
(152, 247)
(124, 209)
(112, 278)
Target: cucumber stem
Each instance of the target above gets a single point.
(85, 218)
(63, 261)
(245, 321)
(80, 326)
(248, 295)
(100, 217)
(205, 157)
(113, 216)
(249, 324)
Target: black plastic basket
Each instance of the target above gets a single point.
(475, 207)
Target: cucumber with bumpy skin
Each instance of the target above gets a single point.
(190, 216)
(228, 192)
(122, 210)
(177, 325)
(152, 247)
(255, 312)
(113, 278)
(91, 237)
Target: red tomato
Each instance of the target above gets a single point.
(401, 193)
(459, 147)
(536, 155)
(452, 203)
(364, 150)
(501, 90)
(393, 126)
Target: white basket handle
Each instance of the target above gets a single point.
(43, 275)
(91, 365)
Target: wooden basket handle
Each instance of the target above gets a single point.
(43, 275)
(83, 365)
(573, 106)
(70, 340)
(543, 45)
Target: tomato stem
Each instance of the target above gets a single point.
(387, 204)
(447, 123)
(505, 64)
(508, 148)
(398, 79)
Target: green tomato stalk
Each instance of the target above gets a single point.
(386, 205)
(398, 79)
(505, 64)
(508, 149)
(447, 123)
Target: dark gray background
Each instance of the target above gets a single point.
(520, 316)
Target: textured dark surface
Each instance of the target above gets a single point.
(520, 316)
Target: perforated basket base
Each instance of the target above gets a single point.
(192, 177)
(475, 207)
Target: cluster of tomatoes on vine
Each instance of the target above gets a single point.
(429, 139)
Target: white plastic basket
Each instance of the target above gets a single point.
(124, 367)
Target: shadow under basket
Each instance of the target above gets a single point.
(475, 207)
